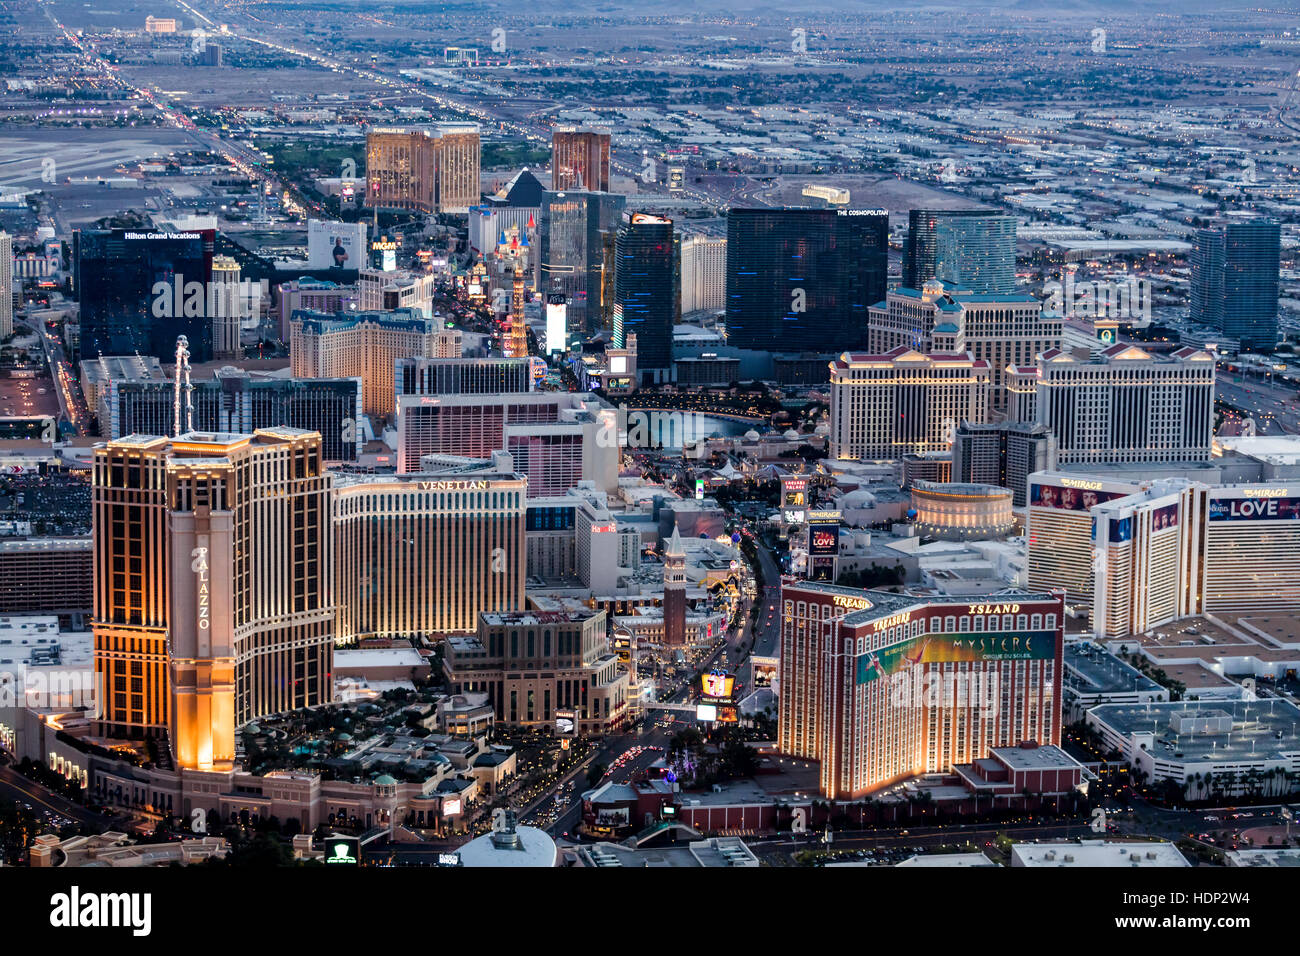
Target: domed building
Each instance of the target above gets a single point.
(962, 512)
(512, 845)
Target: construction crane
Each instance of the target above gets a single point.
(183, 368)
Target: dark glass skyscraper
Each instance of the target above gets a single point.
(572, 227)
(802, 279)
(121, 276)
(644, 297)
(971, 250)
(1235, 281)
(236, 402)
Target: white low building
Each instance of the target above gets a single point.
(1095, 853)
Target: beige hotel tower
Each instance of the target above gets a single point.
(213, 598)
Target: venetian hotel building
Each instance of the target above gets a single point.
(213, 585)
(425, 555)
(879, 687)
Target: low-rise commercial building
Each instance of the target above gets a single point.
(533, 665)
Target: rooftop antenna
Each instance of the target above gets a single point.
(183, 366)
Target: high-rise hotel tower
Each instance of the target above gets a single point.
(213, 594)
(878, 687)
(425, 554)
(426, 169)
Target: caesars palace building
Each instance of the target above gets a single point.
(1143, 553)
(879, 687)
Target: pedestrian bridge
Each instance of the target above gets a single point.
(662, 827)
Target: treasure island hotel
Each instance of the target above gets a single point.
(879, 687)
(228, 566)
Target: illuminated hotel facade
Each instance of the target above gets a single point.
(213, 596)
(1128, 405)
(903, 402)
(1059, 530)
(954, 511)
(535, 665)
(425, 170)
(1144, 553)
(879, 687)
(425, 555)
(1002, 330)
(364, 345)
(580, 158)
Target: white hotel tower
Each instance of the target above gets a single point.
(1128, 405)
(904, 402)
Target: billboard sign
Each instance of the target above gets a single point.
(794, 493)
(1256, 507)
(975, 647)
(623, 648)
(1070, 498)
(613, 817)
(821, 568)
(765, 671)
(824, 538)
(336, 245)
(566, 723)
(717, 686)
(1166, 517)
(343, 851)
(557, 322)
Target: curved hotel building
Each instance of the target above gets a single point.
(1145, 553)
(213, 598)
(227, 566)
(879, 687)
(962, 511)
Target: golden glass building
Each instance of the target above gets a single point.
(424, 555)
(131, 575)
(213, 585)
(580, 158)
(425, 170)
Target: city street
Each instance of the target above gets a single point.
(1275, 408)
